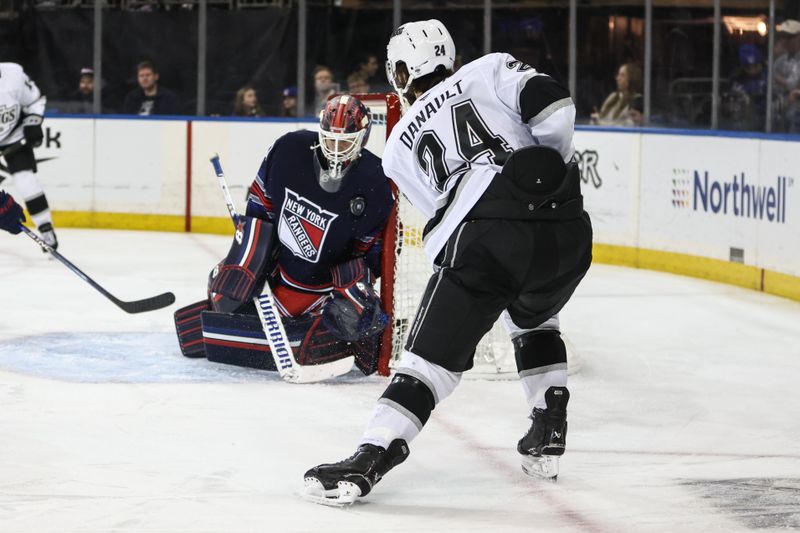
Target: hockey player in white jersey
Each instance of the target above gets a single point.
(21, 113)
(486, 154)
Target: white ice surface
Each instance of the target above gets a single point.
(105, 427)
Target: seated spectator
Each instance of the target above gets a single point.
(615, 109)
(369, 68)
(786, 69)
(324, 87)
(150, 98)
(246, 103)
(79, 101)
(744, 104)
(357, 83)
(289, 108)
(85, 91)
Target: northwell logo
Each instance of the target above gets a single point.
(736, 197)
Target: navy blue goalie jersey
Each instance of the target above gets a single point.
(318, 229)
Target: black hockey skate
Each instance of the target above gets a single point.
(48, 235)
(344, 482)
(546, 439)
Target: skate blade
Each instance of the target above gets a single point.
(344, 495)
(542, 467)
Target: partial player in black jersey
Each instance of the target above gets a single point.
(486, 154)
(21, 111)
(313, 228)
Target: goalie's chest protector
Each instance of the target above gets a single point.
(318, 229)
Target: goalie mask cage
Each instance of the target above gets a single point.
(405, 269)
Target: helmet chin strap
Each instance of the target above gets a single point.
(329, 179)
(405, 103)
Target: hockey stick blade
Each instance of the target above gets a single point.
(137, 306)
(148, 304)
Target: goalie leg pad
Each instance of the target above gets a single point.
(235, 339)
(367, 351)
(238, 339)
(189, 328)
(319, 345)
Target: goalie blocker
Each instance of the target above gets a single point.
(226, 329)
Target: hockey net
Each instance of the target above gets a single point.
(405, 269)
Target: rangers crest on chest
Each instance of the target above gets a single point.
(303, 226)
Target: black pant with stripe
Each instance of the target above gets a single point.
(530, 268)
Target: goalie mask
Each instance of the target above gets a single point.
(415, 50)
(344, 127)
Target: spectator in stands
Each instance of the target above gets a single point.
(246, 103)
(786, 71)
(357, 83)
(746, 102)
(368, 65)
(82, 98)
(324, 87)
(616, 107)
(85, 92)
(289, 108)
(150, 98)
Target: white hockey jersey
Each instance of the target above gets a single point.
(450, 143)
(21, 103)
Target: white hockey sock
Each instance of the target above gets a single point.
(32, 193)
(536, 384)
(389, 423)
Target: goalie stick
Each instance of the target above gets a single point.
(137, 306)
(288, 367)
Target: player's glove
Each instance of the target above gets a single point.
(11, 214)
(354, 310)
(32, 130)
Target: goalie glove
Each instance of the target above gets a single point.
(241, 274)
(354, 311)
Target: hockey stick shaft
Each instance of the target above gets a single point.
(280, 349)
(138, 306)
(223, 184)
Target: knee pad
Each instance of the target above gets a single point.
(411, 397)
(539, 351)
